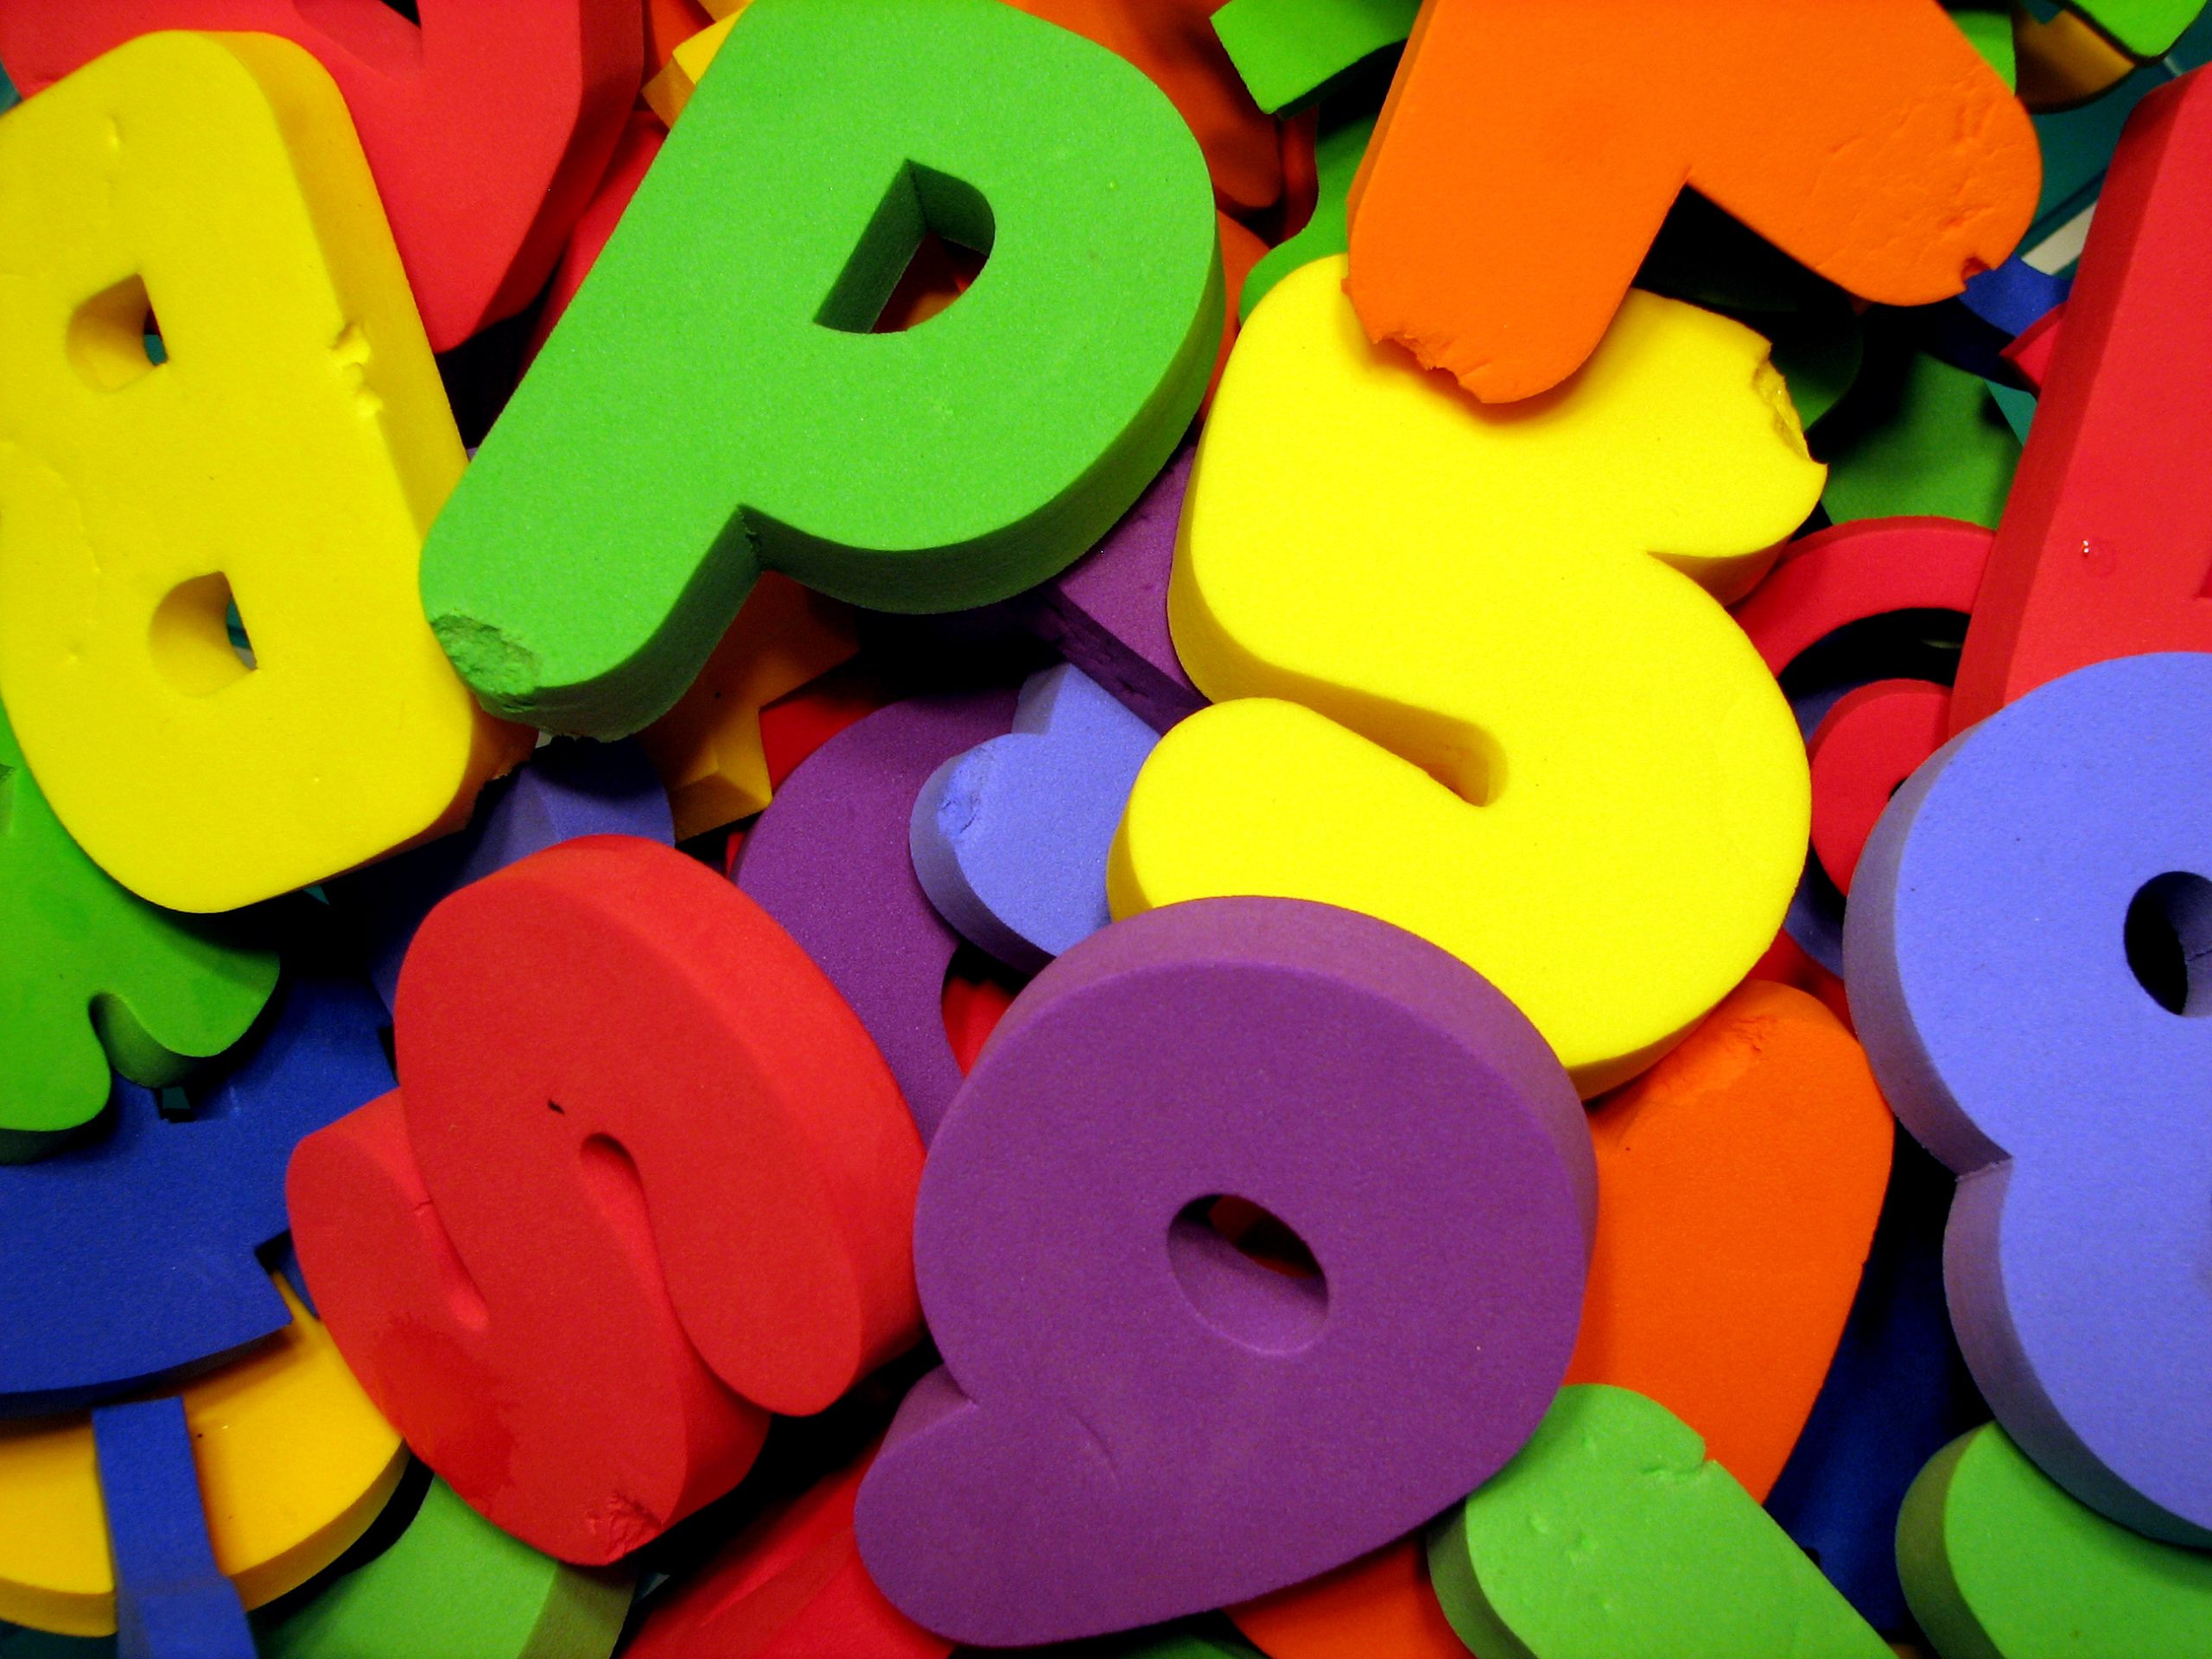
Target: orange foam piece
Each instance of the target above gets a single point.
(1380, 1607)
(707, 748)
(1173, 43)
(1738, 1183)
(1528, 152)
(1786, 963)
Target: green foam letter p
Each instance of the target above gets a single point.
(713, 403)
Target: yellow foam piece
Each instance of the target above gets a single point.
(1454, 689)
(291, 453)
(667, 92)
(707, 749)
(294, 1464)
(2065, 61)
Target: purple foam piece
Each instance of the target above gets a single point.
(132, 1253)
(1107, 614)
(829, 860)
(1010, 839)
(1987, 944)
(1135, 1422)
(570, 787)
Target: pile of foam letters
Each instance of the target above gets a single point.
(1329, 828)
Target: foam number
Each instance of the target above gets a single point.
(616, 1212)
(1528, 154)
(2087, 564)
(487, 126)
(2028, 946)
(94, 976)
(568, 789)
(1142, 1390)
(740, 288)
(287, 458)
(1612, 1537)
(1474, 704)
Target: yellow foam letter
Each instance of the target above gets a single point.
(286, 459)
(1474, 703)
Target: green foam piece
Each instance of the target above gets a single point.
(2077, 143)
(1916, 435)
(1988, 25)
(1288, 50)
(1346, 123)
(2017, 407)
(2144, 28)
(714, 404)
(1999, 1562)
(92, 976)
(454, 1586)
(1609, 1536)
(1819, 351)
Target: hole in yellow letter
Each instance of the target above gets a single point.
(112, 340)
(193, 643)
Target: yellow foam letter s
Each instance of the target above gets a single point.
(1474, 703)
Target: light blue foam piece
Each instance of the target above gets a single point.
(1010, 839)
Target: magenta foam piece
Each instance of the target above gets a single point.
(1107, 614)
(570, 787)
(1988, 942)
(1135, 1420)
(829, 860)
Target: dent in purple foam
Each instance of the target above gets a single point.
(1135, 1423)
(829, 860)
(1107, 614)
(1010, 839)
(570, 787)
(1988, 947)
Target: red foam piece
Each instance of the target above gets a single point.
(2102, 553)
(642, 137)
(645, 1177)
(1874, 739)
(790, 1587)
(1869, 567)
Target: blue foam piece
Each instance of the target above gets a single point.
(171, 1600)
(132, 1253)
(1010, 839)
(2014, 294)
(571, 787)
(1898, 1393)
